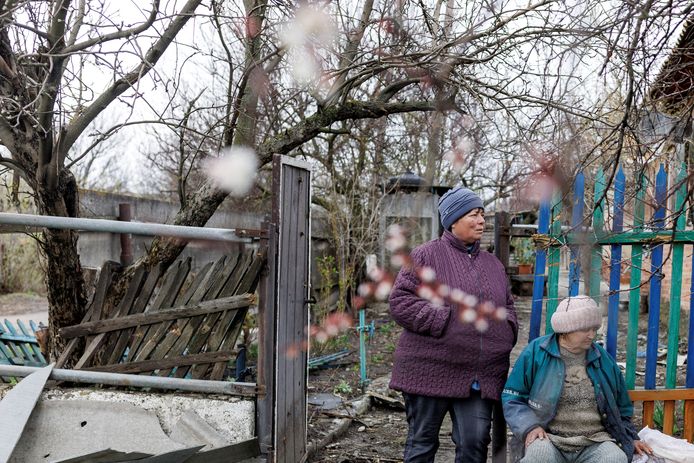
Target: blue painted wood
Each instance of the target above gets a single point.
(539, 280)
(658, 222)
(21, 348)
(23, 328)
(615, 264)
(17, 338)
(576, 225)
(32, 345)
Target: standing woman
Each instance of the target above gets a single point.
(442, 364)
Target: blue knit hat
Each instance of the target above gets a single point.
(456, 203)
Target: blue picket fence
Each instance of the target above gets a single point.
(18, 344)
(589, 234)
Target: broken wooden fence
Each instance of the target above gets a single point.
(168, 323)
(18, 345)
(646, 239)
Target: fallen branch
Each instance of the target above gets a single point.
(361, 406)
(350, 416)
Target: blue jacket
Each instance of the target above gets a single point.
(533, 390)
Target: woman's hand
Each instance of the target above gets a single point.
(536, 433)
(641, 448)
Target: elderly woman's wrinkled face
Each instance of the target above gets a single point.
(469, 228)
(579, 340)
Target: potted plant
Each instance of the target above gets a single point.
(524, 252)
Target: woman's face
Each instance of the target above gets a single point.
(579, 340)
(469, 228)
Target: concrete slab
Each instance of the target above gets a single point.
(16, 409)
(230, 419)
(233, 418)
(62, 429)
(192, 430)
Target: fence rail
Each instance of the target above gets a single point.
(134, 228)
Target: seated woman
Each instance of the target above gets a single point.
(566, 398)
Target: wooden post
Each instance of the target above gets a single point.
(266, 346)
(502, 237)
(502, 249)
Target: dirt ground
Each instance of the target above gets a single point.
(379, 434)
(24, 307)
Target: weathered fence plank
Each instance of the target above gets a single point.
(615, 264)
(95, 344)
(233, 320)
(676, 283)
(167, 288)
(576, 224)
(635, 286)
(655, 283)
(170, 332)
(105, 278)
(138, 306)
(598, 226)
(165, 363)
(554, 262)
(114, 324)
(540, 264)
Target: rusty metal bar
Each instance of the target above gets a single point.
(126, 239)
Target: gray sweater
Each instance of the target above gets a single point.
(577, 423)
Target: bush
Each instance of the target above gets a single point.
(21, 265)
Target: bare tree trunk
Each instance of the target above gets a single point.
(66, 294)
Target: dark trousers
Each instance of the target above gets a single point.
(471, 417)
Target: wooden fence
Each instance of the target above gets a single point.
(589, 234)
(18, 345)
(169, 324)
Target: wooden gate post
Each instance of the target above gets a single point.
(502, 249)
(283, 360)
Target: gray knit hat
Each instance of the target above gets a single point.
(576, 313)
(456, 203)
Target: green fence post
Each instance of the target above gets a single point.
(635, 285)
(554, 258)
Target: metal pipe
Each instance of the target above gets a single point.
(363, 380)
(115, 226)
(126, 239)
(533, 226)
(155, 382)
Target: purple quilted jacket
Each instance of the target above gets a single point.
(438, 354)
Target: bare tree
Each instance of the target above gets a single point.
(45, 110)
(515, 69)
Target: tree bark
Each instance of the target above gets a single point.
(65, 281)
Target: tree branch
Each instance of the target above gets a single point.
(116, 35)
(350, 110)
(80, 123)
